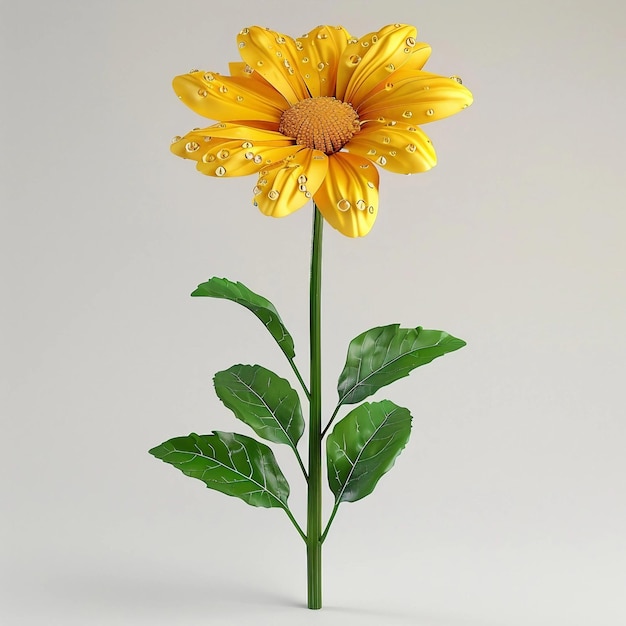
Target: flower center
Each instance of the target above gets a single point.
(325, 124)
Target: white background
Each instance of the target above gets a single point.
(508, 506)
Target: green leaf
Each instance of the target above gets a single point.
(262, 308)
(363, 446)
(263, 400)
(382, 355)
(233, 464)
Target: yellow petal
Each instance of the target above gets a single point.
(274, 57)
(228, 156)
(348, 197)
(374, 58)
(288, 186)
(416, 97)
(318, 55)
(397, 147)
(229, 98)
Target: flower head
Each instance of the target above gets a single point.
(313, 116)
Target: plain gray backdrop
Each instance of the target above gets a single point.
(507, 507)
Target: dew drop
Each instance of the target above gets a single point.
(209, 77)
(280, 39)
(273, 194)
(291, 71)
(386, 139)
(381, 160)
(411, 147)
(305, 59)
(302, 188)
(364, 166)
(370, 209)
(239, 98)
(249, 156)
(322, 36)
(456, 79)
(257, 190)
(248, 70)
(302, 179)
(407, 114)
(194, 70)
(430, 112)
(410, 41)
(392, 123)
(279, 54)
(375, 39)
(192, 146)
(307, 75)
(321, 66)
(389, 86)
(365, 44)
(352, 40)
(245, 31)
(344, 205)
(258, 159)
(412, 129)
(242, 44)
(371, 185)
(371, 151)
(223, 154)
(286, 64)
(299, 45)
(465, 106)
(203, 93)
(259, 63)
(208, 158)
(392, 153)
(308, 194)
(176, 138)
(220, 171)
(246, 144)
(361, 205)
(223, 89)
(426, 87)
(263, 182)
(390, 68)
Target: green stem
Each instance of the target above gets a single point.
(330, 421)
(330, 521)
(295, 523)
(297, 373)
(314, 499)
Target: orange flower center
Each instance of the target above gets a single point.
(325, 124)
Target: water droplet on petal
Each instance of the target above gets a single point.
(305, 59)
(411, 147)
(246, 144)
(192, 146)
(355, 59)
(386, 139)
(365, 44)
(223, 154)
(407, 114)
(176, 138)
(273, 194)
(245, 31)
(248, 70)
(430, 112)
(242, 44)
(258, 159)
(361, 205)
(375, 39)
(302, 179)
(223, 89)
(302, 188)
(381, 160)
(392, 153)
(371, 151)
(370, 209)
(203, 93)
(249, 156)
(371, 185)
(257, 190)
(352, 40)
(280, 39)
(410, 41)
(239, 98)
(456, 79)
(259, 63)
(209, 77)
(390, 68)
(392, 123)
(263, 181)
(322, 36)
(320, 66)
(299, 45)
(220, 171)
(364, 166)
(389, 86)
(344, 205)
(308, 194)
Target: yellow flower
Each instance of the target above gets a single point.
(311, 116)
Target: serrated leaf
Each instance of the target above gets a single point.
(233, 464)
(263, 400)
(260, 306)
(382, 355)
(364, 446)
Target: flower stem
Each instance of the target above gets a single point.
(314, 499)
